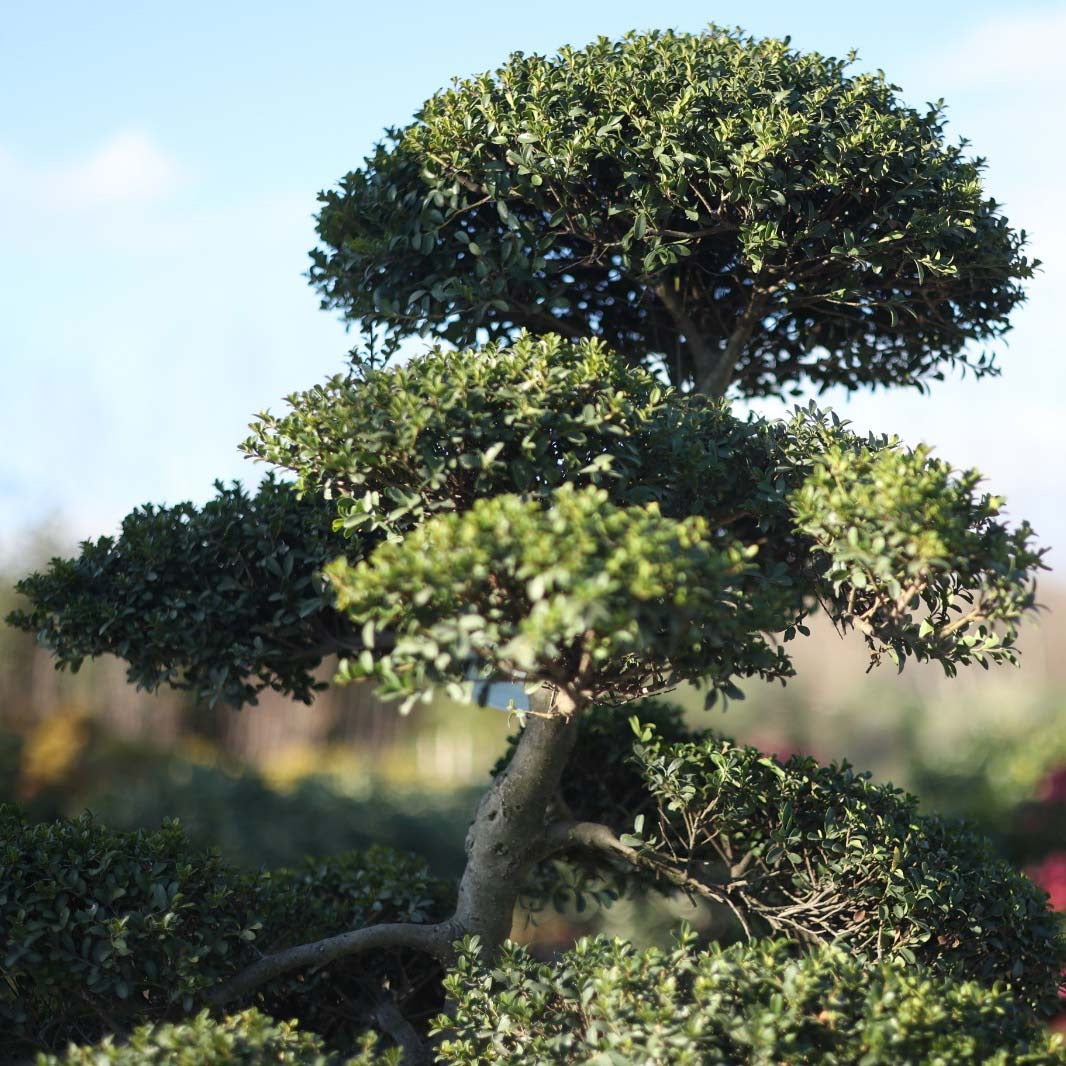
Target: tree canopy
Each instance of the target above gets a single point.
(678, 539)
(555, 493)
(721, 206)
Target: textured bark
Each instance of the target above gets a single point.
(714, 380)
(506, 838)
(432, 939)
(508, 830)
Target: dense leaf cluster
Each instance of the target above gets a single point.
(97, 924)
(820, 854)
(917, 560)
(222, 600)
(456, 429)
(102, 928)
(711, 201)
(601, 601)
(758, 1003)
(450, 427)
(823, 854)
(226, 600)
(249, 1038)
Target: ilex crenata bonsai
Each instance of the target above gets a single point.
(605, 246)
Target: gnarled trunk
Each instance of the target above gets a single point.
(507, 834)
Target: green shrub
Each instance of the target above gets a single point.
(245, 1039)
(99, 925)
(239, 569)
(823, 854)
(817, 853)
(604, 189)
(103, 929)
(759, 1003)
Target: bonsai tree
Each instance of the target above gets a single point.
(610, 240)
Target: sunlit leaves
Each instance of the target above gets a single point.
(226, 599)
(657, 189)
(450, 427)
(605, 1002)
(600, 600)
(918, 560)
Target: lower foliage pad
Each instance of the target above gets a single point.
(759, 1003)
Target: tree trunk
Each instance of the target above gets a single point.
(507, 837)
(507, 834)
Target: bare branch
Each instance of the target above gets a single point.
(435, 940)
(598, 837)
(388, 1017)
(716, 378)
(703, 355)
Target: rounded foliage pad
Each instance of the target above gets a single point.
(728, 207)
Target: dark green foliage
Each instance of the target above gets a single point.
(817, 853)
(98, 925)
(431, 438)
(606, 602)
(222, 600)
(226, 600)
(102, 929)
(824, 854)
(246, 1039)
(323, 897)
(602, 784)
(451, 427)
(758, 1003)
(670, 192)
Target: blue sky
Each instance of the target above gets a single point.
(158, 171)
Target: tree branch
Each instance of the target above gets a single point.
(503, 840)
(598, 837)
(715, 380)
(388, 1017)
(535, 315)
(435, 940)
(703, 356)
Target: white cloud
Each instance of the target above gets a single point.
(128, 168)
(1024, 46)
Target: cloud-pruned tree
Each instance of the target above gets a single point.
(611, 239)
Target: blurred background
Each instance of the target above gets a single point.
(157, 176)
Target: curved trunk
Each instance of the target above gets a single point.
(507, 833)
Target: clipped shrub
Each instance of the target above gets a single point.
(608, 590)
(102, 929)
(99, 926)
(240, 569)
(641, 190)
(817, 853)
(245, 1039)
(763, 1002)
(823, 854)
